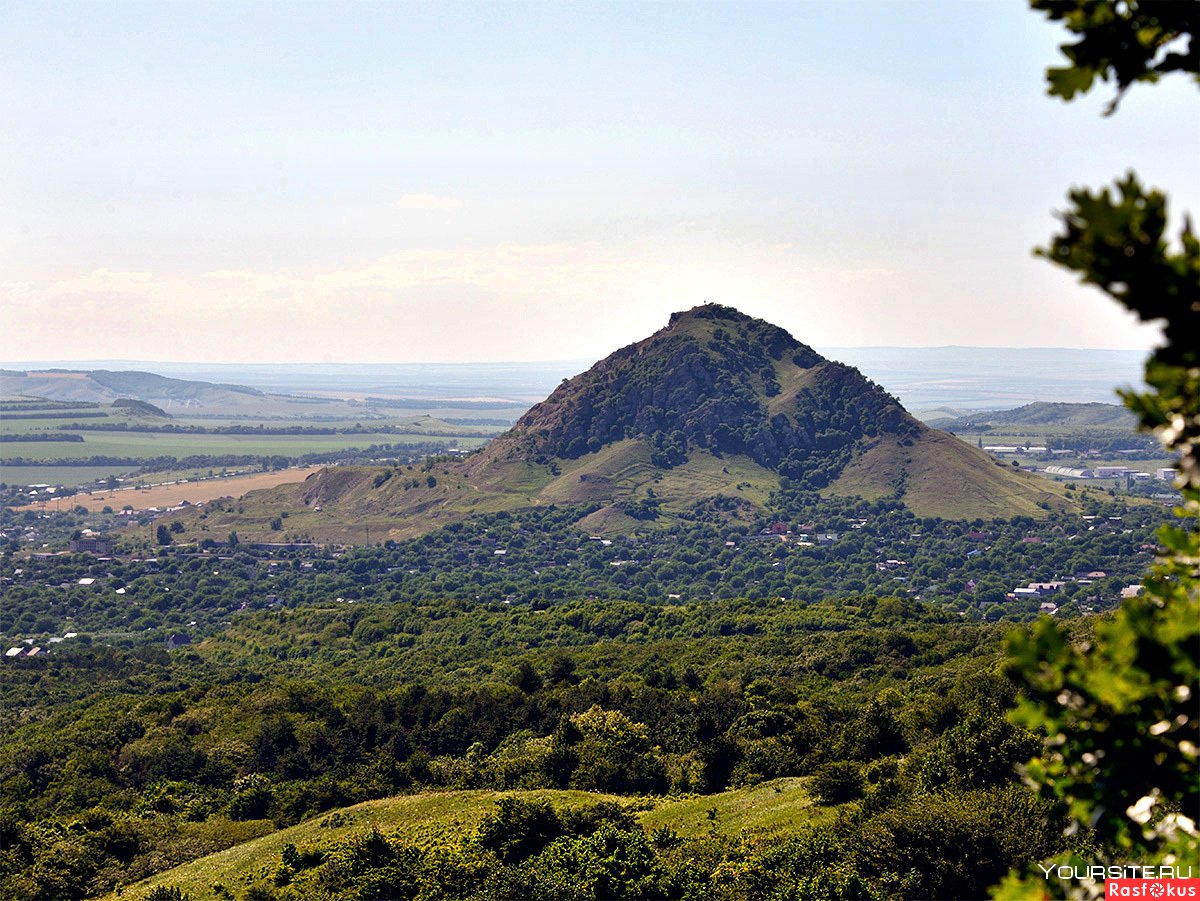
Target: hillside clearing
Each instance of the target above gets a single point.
(443, 817)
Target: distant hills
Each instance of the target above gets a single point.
(715, 411)
(1042, 414)
(139, 408)
(929, 381)
(994, 378)
(105, 386)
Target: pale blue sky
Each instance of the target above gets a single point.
(483, 181)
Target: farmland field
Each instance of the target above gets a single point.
(160, 444)
(73, 476)
(194, 492)
(77, 443)
(57, 475)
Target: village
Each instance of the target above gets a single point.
(90, 588)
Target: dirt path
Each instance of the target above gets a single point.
(170, 495)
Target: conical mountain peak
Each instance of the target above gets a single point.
(720, 381)
(706, 417)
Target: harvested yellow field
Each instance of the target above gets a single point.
(172, 494)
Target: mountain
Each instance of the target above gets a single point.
(105, 386)
(1043, 413)
(717, 408)
(714, 380)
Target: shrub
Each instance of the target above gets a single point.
(836, 782)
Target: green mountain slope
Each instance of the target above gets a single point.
(715, 380)
(717, 405)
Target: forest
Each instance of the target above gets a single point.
(514, 653)
(116, 764)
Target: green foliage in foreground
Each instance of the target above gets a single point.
(1129, 42)
(1120, 712)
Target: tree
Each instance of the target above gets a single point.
(614, 754)
(518, 829)
(1120, 712)
(163, 535)
(1127, 40)
(167, 893)
(836, 782)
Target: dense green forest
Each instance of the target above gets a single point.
(514, 652)
(116, 764)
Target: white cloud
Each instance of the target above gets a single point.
(428, 202)
(512, 302)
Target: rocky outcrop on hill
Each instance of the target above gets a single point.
(716, 379)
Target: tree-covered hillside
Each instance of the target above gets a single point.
(122, 763)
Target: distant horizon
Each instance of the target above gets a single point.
(58, 364)
(977, 377)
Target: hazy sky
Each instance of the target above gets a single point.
(488, 181)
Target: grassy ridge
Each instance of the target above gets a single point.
(443, 817)
(944, 477)
(1045, 414)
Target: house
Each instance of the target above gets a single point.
(1046, 587)
(90, 543)
(179, 639)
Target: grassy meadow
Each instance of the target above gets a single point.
(433, 818)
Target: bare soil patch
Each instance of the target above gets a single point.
(172, 495)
